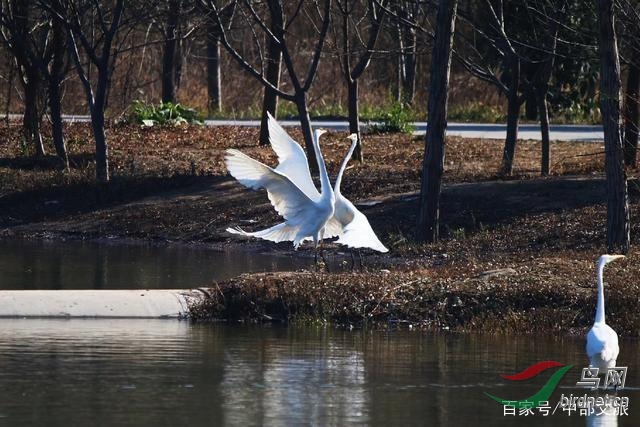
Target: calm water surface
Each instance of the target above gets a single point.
(122, 372)
(79, 265)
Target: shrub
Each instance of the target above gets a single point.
(165, 113)
(396, 119)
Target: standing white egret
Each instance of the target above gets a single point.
(306, 214)
(602, 340)
(356, 231)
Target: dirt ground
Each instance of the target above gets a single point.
(517, 254)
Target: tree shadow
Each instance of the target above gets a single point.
(48, 162)
(470, 206)
(61, 201)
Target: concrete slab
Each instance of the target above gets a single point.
(153, 303)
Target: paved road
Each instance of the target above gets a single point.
(465, 130)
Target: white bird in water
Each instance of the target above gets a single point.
(307, 214)
(602, 340)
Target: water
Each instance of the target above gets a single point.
(122, 372)
(80, 265)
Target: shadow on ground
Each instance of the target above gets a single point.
(200, 208)
(471, 206)
(48, 162)
(63, 201)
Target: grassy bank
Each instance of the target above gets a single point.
(504, 301)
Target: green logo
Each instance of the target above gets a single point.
(543, 395)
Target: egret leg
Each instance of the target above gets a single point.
(324, 260)
(315, 253)
(361, 262)
(353, 259)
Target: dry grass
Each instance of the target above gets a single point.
(196, 150)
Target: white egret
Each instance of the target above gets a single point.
(602, 340)
(356, 231)
(349, 224)
(307, 214)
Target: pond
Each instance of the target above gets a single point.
(82, 265)
(160, 372)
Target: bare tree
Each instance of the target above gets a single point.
(355, 51)
(433, 162)
(505, 44)
(214, 90)
(169, 62)
(274, 68)
(55, 74)
(610, 101)
(16, 19)
(407, 12)
(43, 48)
(629, 12)
(251, 14)
(213, 35)
(553, 17)
(92, 30)
(632, 114)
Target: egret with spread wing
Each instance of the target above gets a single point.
(307, 214)
(348, 223)
(602, 340)
(356, 231)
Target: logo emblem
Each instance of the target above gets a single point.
(543, 395)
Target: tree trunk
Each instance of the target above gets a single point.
(213, 73)
(270, 100)
(610, 85)
(102, 150)
(632, 115)
(169, 56)
(97, 123)
(410, 66)
(544, 131)
(305, 127)
(354, 117)
(513, 116)
(31, 118)
(9, 91)
(55, 78)
(541, 84)
(427, 228)
(400, 63)
(56, 123)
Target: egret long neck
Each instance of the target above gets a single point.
(600, 305)
(343, 166)
(325, 185)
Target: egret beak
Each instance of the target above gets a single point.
(615, 257)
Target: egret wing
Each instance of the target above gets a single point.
(359, 234)
(282, 232)
(292, 159)
(288, 200)
(333, 228)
